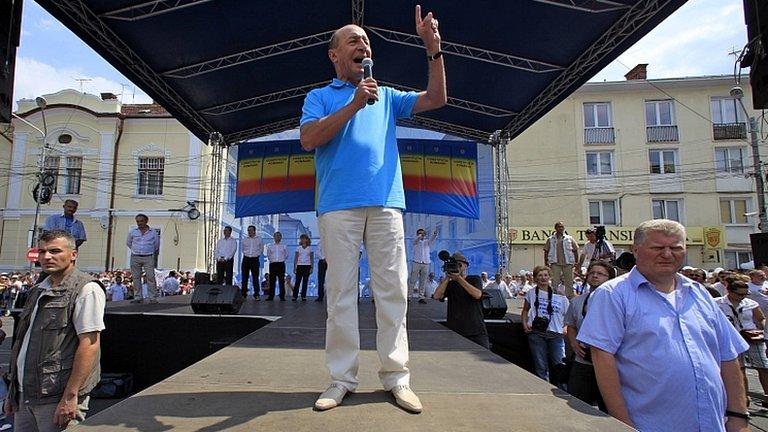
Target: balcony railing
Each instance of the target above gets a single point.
(729, 131)
(602, 135)
(662, 133)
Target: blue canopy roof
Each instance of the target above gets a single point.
(242, 68)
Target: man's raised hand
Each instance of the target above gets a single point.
(427, 29)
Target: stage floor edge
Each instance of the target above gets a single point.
(270, 379)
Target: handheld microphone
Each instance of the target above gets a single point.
(368, 73)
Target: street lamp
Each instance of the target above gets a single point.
(41, 103)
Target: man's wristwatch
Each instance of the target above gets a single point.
(735, 414)
(435, 56)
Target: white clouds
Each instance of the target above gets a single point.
(35, 78)
(695, 40)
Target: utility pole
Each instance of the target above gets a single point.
(759, 179)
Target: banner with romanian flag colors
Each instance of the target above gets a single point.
(439, 177)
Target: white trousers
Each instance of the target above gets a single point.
(381, 230)
(419, 273)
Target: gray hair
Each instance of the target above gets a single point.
(664, 226)
(54, 234)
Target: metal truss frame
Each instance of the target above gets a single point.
(89, 23)
(358, 12)
(259, 131)
(449, 128)
(592, 6)
(247, 56)
(470, 52)
(460, 103)
(150, 9)
(499, 143)
(637, 16)
(266, 99)
(214, 202)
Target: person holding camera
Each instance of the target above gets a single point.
(597, 247)
(464, 294)
(582, 382)
(543, 313)
(746, 316)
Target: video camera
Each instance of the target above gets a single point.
(600, 232)
(450, 265)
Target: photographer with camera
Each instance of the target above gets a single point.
(582, 382)
(464, 294)
(544, 324)
(597, 247)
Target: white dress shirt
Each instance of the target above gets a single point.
(252, 246)
(421, 249)
(143, 243)
(225, 248)
(277, 252)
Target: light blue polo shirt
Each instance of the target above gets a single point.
(360, 166)
(668, 358)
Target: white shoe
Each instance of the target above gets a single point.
(331, 398)
(6, 427)
(407, 399)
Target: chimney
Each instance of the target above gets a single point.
(638, 72)
(108, 96)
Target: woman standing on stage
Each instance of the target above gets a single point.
(302, 266)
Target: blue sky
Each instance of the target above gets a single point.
(695, 40)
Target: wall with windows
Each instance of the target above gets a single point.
(619, 153)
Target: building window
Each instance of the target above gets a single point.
(728, 119)
(470, 226)
(666, 209)
(70, 182)
(602, 213)
(660, 121)
(729, 159)
(597, 123)
(599, 163)
(733, 211)
(51, 166)
(150, 181)
(734, 259)
(663, 161)
(452, 229)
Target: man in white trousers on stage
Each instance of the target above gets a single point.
(351, 126)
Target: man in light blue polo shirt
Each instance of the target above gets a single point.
(665, 356)
(68, 223)
(360, 200)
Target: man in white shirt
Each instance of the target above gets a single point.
(484, 279)
(420, 263)
(498, 284)
(143, 242)
(171, 284)
(117, 291)
(590, 252)
(252, 247)
(225, 257)
(277, 253)
(560, 254)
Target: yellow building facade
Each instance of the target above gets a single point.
(620, 153)
(116, 161)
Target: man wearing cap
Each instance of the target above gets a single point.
(68, 223)
(465, 307)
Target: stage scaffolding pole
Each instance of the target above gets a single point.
(215, 201)
(499, 143)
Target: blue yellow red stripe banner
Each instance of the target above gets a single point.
(439, 177)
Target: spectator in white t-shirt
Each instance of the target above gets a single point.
(498, 284)
(484, 279)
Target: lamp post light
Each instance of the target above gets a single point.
(41, 103)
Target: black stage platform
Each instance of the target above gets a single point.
(270, 378)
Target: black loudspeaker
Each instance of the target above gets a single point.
(10, 27)
(759, 248)
(202, 278)
(494, 304)
(756, 55)
(217, 299)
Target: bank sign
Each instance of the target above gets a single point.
(708, 237)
